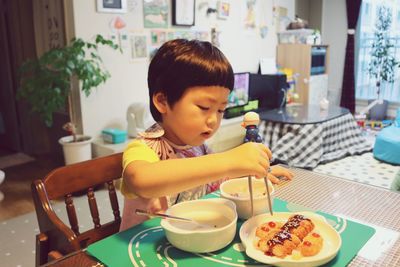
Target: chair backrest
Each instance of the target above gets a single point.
(55, 235)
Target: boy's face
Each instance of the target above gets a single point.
(196, 116)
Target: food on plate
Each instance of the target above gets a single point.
(298, 225)
(280, 245)
(280, 239)
(268, 230)
(311, 245)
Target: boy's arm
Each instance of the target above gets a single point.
(172, 176)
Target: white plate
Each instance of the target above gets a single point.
(331, 246)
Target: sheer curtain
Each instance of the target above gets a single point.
(348, 86)
(365, 85)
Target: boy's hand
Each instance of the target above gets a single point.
(279, 171)
(248, 159)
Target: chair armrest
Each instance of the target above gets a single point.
(54, 255)
(56, 230)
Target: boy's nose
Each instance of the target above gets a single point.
(212, 120)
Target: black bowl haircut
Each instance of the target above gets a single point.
(180, 64)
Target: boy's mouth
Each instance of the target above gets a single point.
(206, 134)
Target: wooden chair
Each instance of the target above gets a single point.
(56, 238)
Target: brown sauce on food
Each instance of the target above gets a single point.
(294, 222)
(279, 238)
(284, 233)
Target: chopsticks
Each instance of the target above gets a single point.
(250, 123)
(268, 195)
(251, 195)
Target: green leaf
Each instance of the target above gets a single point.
(46, 82)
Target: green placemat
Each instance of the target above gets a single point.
(146, 245)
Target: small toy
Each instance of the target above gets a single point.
(250, 122)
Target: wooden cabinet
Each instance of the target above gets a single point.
(311, 63)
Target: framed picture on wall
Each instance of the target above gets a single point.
(223, 9)
(183, 12)
(112, 6)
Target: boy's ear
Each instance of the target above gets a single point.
(160, 102)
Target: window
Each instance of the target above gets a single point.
(366, 83)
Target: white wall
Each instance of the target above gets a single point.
(334, 33)
(106, 106)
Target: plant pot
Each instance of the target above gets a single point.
(76, 151)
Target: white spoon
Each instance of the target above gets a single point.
(171, 217)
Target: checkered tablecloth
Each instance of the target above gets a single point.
(307, 145)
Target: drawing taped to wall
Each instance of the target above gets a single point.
(118, 33)
(155, 13)
(124, 40)
(139, 46)
(223, 9)
(158, 37)
(250, 16)
(117, 24)
(280, 18)
(263, 31)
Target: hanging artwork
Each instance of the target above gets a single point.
(155, 13)
(183, 12)
(158, 37)
(263, 31)
(223, 9)
(215, 37)
(117, 26)
(250, 16)
(112, 6)
(139, 46)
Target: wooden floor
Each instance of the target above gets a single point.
(16, 186)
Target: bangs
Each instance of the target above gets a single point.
(205, 67)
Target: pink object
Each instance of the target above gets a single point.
(119, 23)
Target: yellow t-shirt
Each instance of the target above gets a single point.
(136, 150)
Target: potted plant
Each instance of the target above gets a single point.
(46, 83)
(383, 63)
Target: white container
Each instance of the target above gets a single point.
(190, 237)
(298, 36)
(76, 151)
(237, 190)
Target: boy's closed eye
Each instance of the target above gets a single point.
(203, 107)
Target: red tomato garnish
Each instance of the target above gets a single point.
(265, 228)
(307, 243)
(315, 235)
(272, 224)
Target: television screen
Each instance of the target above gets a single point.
(240, 93)
(269, 90)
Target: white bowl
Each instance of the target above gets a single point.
(237, 190)
(220, 214)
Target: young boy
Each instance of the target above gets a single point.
(189, 84)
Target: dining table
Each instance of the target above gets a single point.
(306, 136)
(366, 216)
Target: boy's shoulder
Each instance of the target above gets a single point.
(139, 150)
